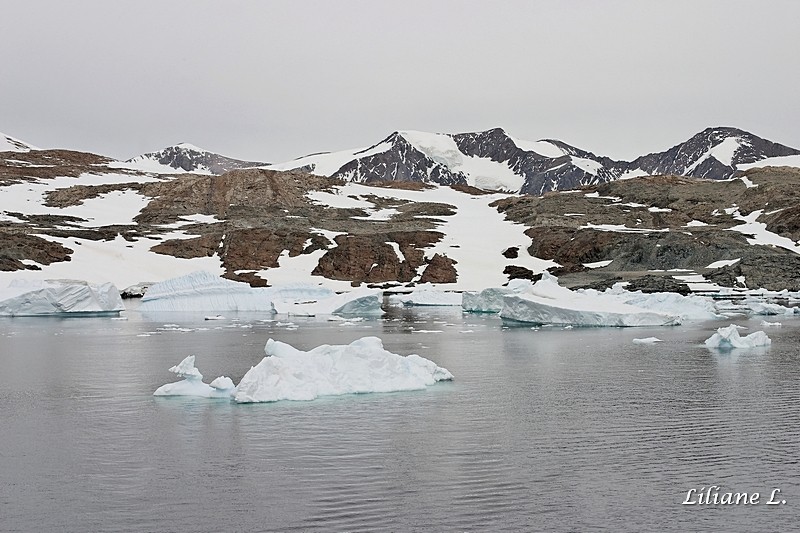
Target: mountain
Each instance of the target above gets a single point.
(10, 144)
(495, 160)
(185, 157)
(714, 153)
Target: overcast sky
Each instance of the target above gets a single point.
(274, 80)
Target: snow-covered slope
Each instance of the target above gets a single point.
(10, 144)
(494, 160)
(185, 157)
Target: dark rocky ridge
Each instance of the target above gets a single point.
(187, 158)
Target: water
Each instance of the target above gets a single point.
(543, 430)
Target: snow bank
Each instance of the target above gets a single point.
(549, 303)
(59, 298)
(491, 300)
(192, 383)
(728, 337)
(426, 295)
(359, 367)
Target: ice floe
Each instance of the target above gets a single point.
(59, 298)
(728, 338)
(647, 340)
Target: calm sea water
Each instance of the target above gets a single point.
(543, 430)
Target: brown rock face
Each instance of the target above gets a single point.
(441, 269)
(369, 258)
(17, 246)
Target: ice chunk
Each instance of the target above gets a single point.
(549, 303)
(491, 300)
(766, 324)
(59, 298)
(728, 337)
(192, 383)
(690, 307)
(647, 340)
(359, 367)
(204, 291)
(426, 295)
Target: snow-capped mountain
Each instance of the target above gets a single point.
(185, 157)
(495, 160)
(714, 153)
(10, 144)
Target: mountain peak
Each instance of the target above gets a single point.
(11, 144)
(185, 157)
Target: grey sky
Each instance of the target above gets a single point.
(274, 80)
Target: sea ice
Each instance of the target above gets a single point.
(548, 303)
(59, 298)
(192, 383)
(728, 337)
(359, 367)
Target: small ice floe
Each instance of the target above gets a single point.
(766, 324)
(728, 337)
(647, 340)
(192, 383)
(215, 317)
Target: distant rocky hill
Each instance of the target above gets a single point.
(494, 160)
(10, 144)
(188, 158)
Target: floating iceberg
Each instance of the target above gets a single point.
(548, 303)
(359, 367)
(204, 291)
(290, 374)
(728, 337)
(426, 295)
(491, 300)
(647, 340)
(364, 302)
(192, 383)
(690, 307)
(59, 298)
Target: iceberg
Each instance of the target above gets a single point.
(359, 367)
(728, 337)
(204, 291)
(426, 295)
(549, 303)
(59, 298)
(647, 340)
(491, 300)
(690, 307)
(192, 383)
(363, 302)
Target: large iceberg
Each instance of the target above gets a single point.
(204, 291)
(192, 383)
(59, 298)
(548, 303)
(359, 367)
(491, 300)
(291, 374)
(728, 338)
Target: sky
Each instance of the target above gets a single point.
(274, 80)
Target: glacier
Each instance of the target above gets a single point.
(59, 298)
(548, 303)
(287, 373)
(728, 337)
(192, 383)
